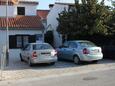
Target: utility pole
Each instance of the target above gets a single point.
(7, 35)
(5, 49)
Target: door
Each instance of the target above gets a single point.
(70, 51)
(63, 52)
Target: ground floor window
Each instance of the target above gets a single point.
(25, 40)
(19, 41)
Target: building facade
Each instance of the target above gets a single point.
(24, 26)
(52, 22)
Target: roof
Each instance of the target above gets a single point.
(12, 2)
(25, 22)
(29, 1)
(42, 13)
(61, 3)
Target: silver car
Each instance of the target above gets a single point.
(80, 50)
(35, 53)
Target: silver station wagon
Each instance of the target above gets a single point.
(80, 50)
(34, 53)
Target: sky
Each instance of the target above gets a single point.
(44, 4)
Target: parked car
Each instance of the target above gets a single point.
(80, 50)
(35, 53)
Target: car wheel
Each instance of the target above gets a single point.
(21, 58)
(29, 63)
(76, 60)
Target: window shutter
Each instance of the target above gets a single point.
(12, 42)
(32, 38)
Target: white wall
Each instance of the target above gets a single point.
(10, 11)
(52, 19)
(30, 10)
(53, 14)
(15, 52)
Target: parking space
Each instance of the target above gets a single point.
(20, 70)
(16, 64)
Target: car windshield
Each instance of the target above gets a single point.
(41, 46)
(87, 44)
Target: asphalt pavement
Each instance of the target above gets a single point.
(20, 70)
(93, 78)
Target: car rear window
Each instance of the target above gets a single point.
(41, 46)
(87, 44)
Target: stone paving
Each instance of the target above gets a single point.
(20, 70)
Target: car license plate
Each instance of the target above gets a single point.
(45, 54)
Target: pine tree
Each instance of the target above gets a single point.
(88, 18)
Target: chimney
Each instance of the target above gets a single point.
(51, 6)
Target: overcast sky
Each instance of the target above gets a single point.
(43, 4)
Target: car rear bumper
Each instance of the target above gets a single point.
(44, 60)
(91, 57)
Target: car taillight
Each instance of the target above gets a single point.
(34, 55)
(85, 51)
(54, 53)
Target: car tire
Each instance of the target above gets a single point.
(21, 58)
(29, 63)
(76, 60)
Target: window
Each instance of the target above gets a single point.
(27, 47)
(21, 10)
(66, 44)
(41, 46)
(87, 44)
(19, 41)
(72, 45)
(25, 40)
(22, 41)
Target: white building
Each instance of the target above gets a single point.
(52, 22)
(28, 5)
(24, 24)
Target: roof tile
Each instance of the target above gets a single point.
(10, 2)
(42, 13)
(22, 22)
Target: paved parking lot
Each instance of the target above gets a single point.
(20, 70)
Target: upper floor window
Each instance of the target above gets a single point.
(21, 10)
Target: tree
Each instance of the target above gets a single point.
(87, 18)
(111, 23)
